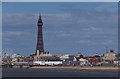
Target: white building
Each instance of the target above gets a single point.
(109, 57)
(83, 61)
(117, 62)
(16, 57)
(49, 62)
(66, 56)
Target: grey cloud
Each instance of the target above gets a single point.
(8, 33)
(94, 26)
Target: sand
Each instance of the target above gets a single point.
(81, 68)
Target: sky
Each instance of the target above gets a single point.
(68, 27)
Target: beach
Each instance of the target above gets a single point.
(77, 67)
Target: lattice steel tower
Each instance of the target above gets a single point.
(40, 46)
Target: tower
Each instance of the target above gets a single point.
(39, 47)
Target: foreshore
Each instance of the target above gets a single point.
(81, 68)
(70, 67)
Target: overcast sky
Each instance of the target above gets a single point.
(68, 28)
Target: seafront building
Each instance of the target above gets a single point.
(83, 62)
(109, 57)
(16, 57)
(6, 59)
(66, 59)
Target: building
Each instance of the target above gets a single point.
(18, 58)
(118, 56)
(109, 57)
(49, 62)
(66, 56)
(15, 55)
(69, 60)
(30, 58)
(40, 54)
(43, 56)
(83, 62)
(63, 57)
(94, 60)
(6, 59)
(79, 56)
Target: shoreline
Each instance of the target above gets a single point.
(78, 68)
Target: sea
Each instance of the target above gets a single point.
(32, 72)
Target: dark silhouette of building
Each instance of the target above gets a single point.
(40, 47)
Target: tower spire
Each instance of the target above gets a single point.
(40, 15)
